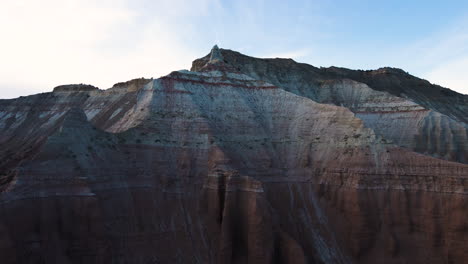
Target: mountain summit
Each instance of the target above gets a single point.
(215, 55)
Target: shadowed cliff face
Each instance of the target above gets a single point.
(26, 122)
(216, 166)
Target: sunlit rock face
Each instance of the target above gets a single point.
(219, 166)
(408, 111)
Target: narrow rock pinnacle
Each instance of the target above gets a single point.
(215, 55)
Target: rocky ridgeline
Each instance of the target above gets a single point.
(240, 160)
(404, 109)
(75, 88)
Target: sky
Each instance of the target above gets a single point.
(45, 43)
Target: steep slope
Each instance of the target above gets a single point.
(406, 110)
(400, 83)
(26, 122)
(215, 166)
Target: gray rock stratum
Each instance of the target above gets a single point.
(409, 111)
(240, 160)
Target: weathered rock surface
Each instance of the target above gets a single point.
(215, 166)
(405, 110)
(75, 88)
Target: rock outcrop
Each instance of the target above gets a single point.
(75, 88)
(404, 109)
(219, 166)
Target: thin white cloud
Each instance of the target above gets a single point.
(442, 58)
(51, 42)
(451, 74)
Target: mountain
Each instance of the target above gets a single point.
(409, 111)
(240, 160)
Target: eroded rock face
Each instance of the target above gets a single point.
(406, 110)
(216, 166)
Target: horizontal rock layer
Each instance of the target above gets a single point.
(406, 110)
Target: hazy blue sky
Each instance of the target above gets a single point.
(45, 43)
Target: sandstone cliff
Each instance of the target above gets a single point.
(219, 166)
